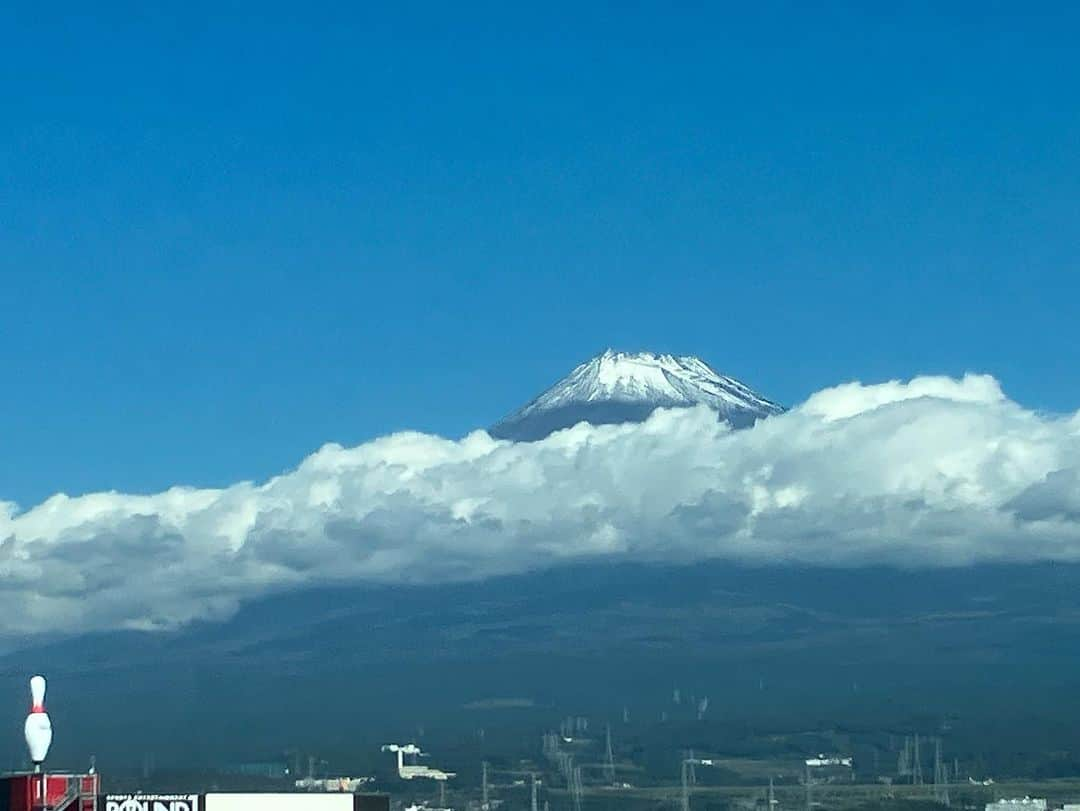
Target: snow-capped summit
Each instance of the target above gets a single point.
(627, 387)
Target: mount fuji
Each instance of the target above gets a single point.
(972, 639)
(617, 387)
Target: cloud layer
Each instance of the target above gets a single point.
(932, 472)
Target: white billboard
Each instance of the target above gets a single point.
(276, 802)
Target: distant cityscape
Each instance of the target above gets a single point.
(584, 763)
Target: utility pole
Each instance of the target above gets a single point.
(809, 800)
(532, 805)
(484, 785)
(772, 795)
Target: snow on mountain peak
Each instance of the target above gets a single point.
(627, 387)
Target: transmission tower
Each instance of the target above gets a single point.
(609, 759)
(916, 766)
(685, 805)
(577, 788)
(702, 708)
(903, 761)
(550, 745)
(941, 776)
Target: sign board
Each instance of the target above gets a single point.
(152, 802)
(273, 801)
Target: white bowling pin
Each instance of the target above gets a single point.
(38, 728)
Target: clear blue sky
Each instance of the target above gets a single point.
(228, 236)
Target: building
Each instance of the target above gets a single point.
(270, 769)
(56, 792)
(349, 785)
(1019, 804)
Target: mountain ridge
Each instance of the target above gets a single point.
(617, 387)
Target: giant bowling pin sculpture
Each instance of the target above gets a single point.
(38, 727)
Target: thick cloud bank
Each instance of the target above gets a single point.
(933, 472)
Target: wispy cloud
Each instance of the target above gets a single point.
(930, 472)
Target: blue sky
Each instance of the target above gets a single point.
(230, 235)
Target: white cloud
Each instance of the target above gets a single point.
(930, 472)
